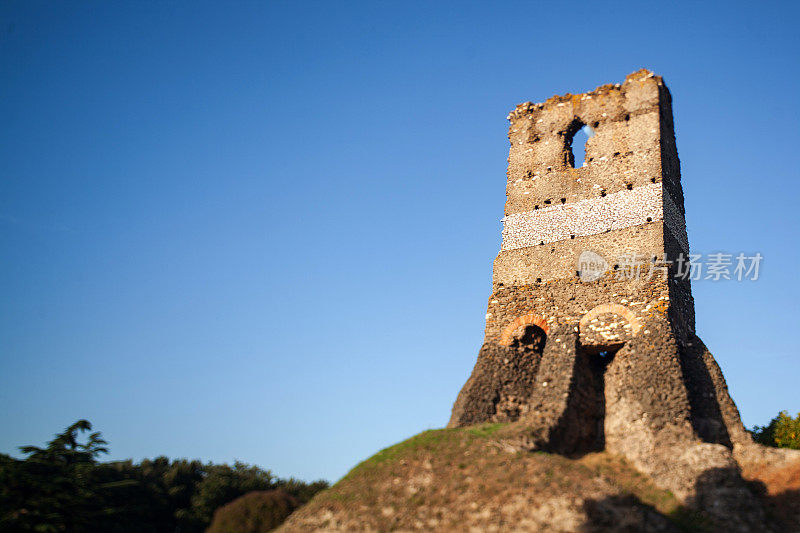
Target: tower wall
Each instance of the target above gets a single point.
(620, 367)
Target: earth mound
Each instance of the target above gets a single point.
(472, 479)
(476, 479)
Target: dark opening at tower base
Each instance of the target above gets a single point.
(586, 408)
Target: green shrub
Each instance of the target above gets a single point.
(255, 512)
(783, 431)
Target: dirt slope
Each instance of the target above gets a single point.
(470, 480)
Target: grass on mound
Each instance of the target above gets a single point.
(432, 440)
(454, 467)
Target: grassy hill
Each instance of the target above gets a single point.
(472, 479)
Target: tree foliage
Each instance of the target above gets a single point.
(255, 512)
(63, 487)
(783, 431)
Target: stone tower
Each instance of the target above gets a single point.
(590, 341)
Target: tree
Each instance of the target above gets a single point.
(783, 431)
(66, 449)
(255, 512)
(62, 487)
(51, 490)
(223, 484)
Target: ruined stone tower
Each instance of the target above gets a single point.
(590, 340)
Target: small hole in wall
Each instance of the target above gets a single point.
(572, 236)
(577, 145)
(595, 125)
(547, 202)
(578, 273)
(627, 118)
(652, 180)
(538, 280)
(602, 193)
(616, 267)
(536, 207)
(542, 242)
(629, 186)
(649, 219)
(563, 200)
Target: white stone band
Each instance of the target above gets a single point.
(589, 217)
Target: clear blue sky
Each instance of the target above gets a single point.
(264, 231)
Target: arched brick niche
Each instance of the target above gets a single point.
(507, 338)
(602, 326)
